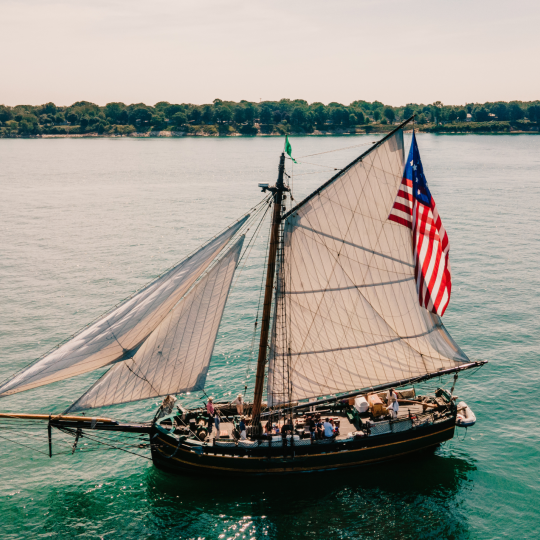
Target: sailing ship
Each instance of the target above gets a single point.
(343, 340)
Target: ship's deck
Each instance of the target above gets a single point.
(347, 426)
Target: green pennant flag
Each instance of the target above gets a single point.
(288, 148)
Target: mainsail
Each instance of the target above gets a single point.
(347, 314)
(118, 334)
(176, 356)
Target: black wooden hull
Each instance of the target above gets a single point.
(171, 455)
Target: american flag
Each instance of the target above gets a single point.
(415, 208)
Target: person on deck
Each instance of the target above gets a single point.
(392, 403)
(328, 429)
(242, 428)
(268, 428)
(320, 430)
(239, 402)
(311, 426)
(211, 413)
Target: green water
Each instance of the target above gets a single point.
(86, 222)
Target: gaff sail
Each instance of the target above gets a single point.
(347, 314)
(119, 333)
(176, 356)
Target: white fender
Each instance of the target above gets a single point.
(465, 416)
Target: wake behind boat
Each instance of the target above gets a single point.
(357, 279)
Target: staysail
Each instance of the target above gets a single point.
(176, 356)
(119, 333)
(347, 314)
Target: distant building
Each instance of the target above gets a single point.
(469, 117)
(492, 116)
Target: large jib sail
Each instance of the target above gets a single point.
(118, 334)
(347, 314)
(176, 356)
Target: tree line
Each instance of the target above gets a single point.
(250, 118)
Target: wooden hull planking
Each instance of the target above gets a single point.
(170, 455)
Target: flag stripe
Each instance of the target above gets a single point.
(431, 247)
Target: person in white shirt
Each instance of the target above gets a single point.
(392, 403)
(328, 428)
(239, 402)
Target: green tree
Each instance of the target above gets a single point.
(102, 126)
(5, 114)
(320, 115)
(377, 114)
(114, 110)
(266, 115)
(251, 113)
(158, 120)
(161, 106)
(72, 117)
(139, 116)
(298, 117)
(239, 114)
(44, 119)
(208, 114)
(49, 109)
(408, 111)
(533, 113)
(481, 115)
(124, 117)
(171, 110)
(223, 114)
(390, 114)
(462, 115)
(179, 119)
(501, 110)
(516, 112)
(195, 115)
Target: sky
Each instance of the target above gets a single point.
(194, 51)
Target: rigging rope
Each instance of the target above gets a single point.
(339, 149)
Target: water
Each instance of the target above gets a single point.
(86, 222)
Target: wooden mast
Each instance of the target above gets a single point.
(277, 190)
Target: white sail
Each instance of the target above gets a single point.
(117, 334)
(347, 314)
(176, 356)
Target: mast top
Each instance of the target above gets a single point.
(280, 184)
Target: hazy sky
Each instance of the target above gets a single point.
(396, 51)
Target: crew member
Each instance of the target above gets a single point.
(242, 428)
(239, 402)
(392, 403)
(211, 413)
(328, 429)
(210, 406)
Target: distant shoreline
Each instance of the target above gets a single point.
(179, 135)
(265, 119)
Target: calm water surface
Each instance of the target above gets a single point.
(86, 222)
